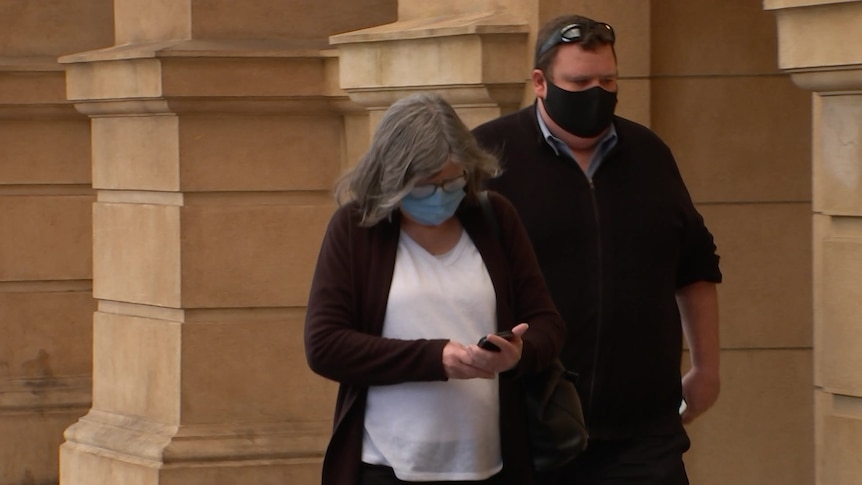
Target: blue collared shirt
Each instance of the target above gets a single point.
(606, 144)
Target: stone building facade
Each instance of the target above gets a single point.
(165, 176)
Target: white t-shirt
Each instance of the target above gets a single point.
(437, 431)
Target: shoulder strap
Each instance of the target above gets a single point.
(490, 216)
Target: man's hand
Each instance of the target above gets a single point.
(700, 390)
(698, 307)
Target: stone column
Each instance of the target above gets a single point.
(218, 131)
(819, 45)
(46, 303)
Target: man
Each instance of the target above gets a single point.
(627, 258)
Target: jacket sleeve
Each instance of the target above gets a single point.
(343, 324)
(698, 259)
(532, 301)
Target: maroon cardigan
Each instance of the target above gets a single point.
(346, 308)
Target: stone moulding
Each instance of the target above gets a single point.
(829, 81)
(423, 28)
(135, 439)
(206, 76)
(473, 60)
(814, 34)
(44, 394)
(33, 87)
(506, 95)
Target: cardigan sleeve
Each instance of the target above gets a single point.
(344, 318)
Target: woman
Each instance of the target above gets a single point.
(410, 275)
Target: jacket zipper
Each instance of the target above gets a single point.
(599, 310)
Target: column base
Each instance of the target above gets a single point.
(106, 449)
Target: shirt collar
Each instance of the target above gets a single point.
(558, 145)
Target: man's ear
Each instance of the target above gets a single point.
(540, 85)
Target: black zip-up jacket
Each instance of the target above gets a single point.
(613, 251)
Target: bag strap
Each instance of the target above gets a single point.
(490, 215)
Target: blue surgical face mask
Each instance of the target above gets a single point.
(434, 209)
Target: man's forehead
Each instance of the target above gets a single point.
(585, 71)
(572, 60)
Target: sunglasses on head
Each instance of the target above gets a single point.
(574, 33)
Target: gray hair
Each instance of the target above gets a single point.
(416, 137)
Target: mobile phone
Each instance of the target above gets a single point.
(485, 344)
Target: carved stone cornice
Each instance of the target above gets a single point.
(473, 59)
(819, 43)
(188, 76)
(33, 87)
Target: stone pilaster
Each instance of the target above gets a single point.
(819, 46)
(214, 151)
(212, 163)
(46, 299)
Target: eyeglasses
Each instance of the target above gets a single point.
(574, 33)
(451, 185)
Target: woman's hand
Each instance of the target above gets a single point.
(470, 362)
(504, 359)
(458, 364)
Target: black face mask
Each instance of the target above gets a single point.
(582, 113)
